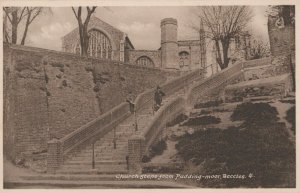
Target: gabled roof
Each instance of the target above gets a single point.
(95, 21)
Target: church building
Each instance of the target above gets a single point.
(108, 42)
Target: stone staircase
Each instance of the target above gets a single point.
(110, 159)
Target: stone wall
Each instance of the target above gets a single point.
(193, 48)
(48, 94)
(154, 55)
(275, 87)
(113, 83)
(25, 104)
(282, 40)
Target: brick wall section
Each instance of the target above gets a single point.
(8, 105)
(154, 55)
(55, 91)
(26, 115)
(136, 147)
(116, 82)
(72, 101)
(54, 156)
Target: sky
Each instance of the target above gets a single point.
(141, 24)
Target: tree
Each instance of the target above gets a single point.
(259, 49)
(32, 13)
(83, 27)
(223, 24)
(16, 15)
(286, 12)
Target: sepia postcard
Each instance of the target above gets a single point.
(194, 95)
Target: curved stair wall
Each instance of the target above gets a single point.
(96, 129)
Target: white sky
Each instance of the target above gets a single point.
(142, 24)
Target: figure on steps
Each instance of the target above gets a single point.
(130, 100)
(158, 95)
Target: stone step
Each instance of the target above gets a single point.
(106, 184)
(89, 177)
(106, 162)
(99, 157)
(89, 170)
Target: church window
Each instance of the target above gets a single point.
(145, 61)
(99, 45)
(184, 58)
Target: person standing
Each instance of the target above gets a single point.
(158, 95)
(130, 100)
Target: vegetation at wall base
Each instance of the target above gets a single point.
(202, 120)
(290, 117)
(157, 149)
(208, 104)
(261, 148)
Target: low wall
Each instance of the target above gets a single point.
(257, 62)
(276, 87)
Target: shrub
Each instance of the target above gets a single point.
(265, 152)
(157, 149)
(255, 114)
(290, 117)
(203, 120)
(208, 104)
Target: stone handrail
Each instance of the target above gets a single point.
(207, 84)
(97, 128)
(90, 132)
(258, 62)
(167, 113)
(168, 88)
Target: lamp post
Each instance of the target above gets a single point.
(115, 140)
(93, 156)
(135, 121)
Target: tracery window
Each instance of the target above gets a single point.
(99, 45)
(184, 58)
(145, 61)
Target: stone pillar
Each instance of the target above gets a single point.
(169, 44)
(54, 156)
(136, 148)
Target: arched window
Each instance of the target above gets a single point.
(144, 61)
(184, 58)
(99, 45)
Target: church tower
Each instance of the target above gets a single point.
(169, 44)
